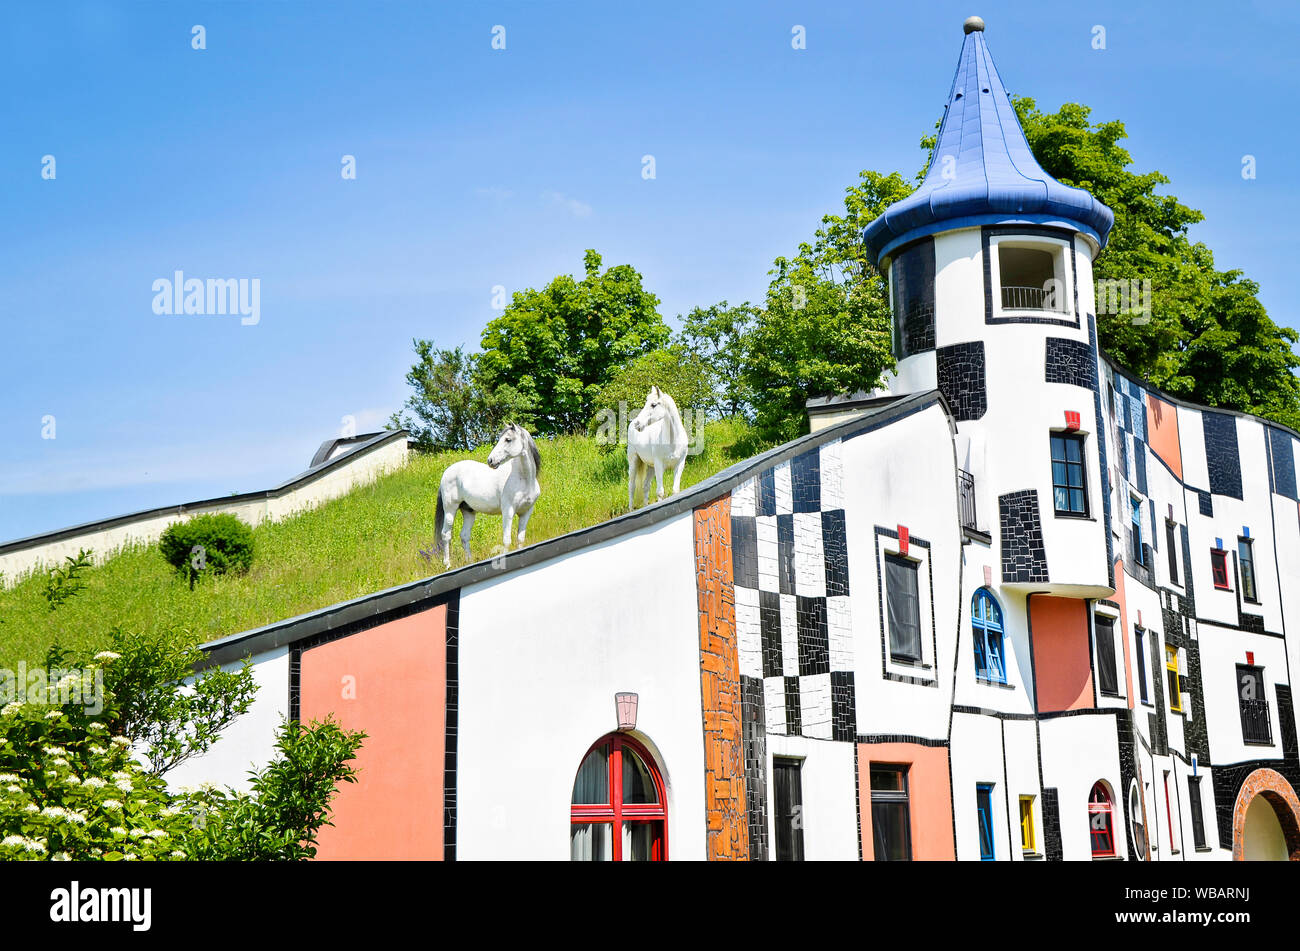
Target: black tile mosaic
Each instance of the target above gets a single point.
(813, 639)
(960, 372)
(1222, 454)
(1070, 361)
(806, 481)
(769, 620)
(1024, 558)
(835, 549)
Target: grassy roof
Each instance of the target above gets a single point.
(365, 541)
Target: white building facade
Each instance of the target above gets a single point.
(1019, 606)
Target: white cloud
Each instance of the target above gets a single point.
(579, 209)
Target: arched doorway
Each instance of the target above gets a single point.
(1266, 819)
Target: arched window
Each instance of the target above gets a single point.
(1137, 828)
(986, 630)
(1101, 821)
(618, 811)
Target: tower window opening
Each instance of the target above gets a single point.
(1031, 278)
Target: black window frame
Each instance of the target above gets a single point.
(787, 809)
(1139, 640)
(1198, 815)
(1135, 525)
(984, 819)
(1254, 712)
(1108, 622)
(1172, 544)
(1246, 568)
(891, 799)
(913, 567)
(1067, 436)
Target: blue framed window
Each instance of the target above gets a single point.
(984, 809)
(1135, 518)
(986, 632)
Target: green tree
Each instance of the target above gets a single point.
(825, 326)
(559, 345)
(452, 407)
(676, 370)
(1208, 338)
(719, 336)
(70, 787)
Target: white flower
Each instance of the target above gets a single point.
(136, 833)
(55, 751)
(97, 749)
(61, 857)
(13, 788)
(11, 708)
(129, 857)
(120, 741)
(94, 782)
(15, 840)
(35, 845)
(68, 681)
(107, 655)
(9, 778)
(54, 714)
(73, 779)
(96, 727)
(157, 833)
(177, 855)
(54, 812)
(51, 774)
(118, 830)
(120, 774)
(124, 785)
(60, 761)
(112, 804)
(76, 818)
(170, 811)
(31, 807)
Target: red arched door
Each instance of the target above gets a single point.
(618, 810)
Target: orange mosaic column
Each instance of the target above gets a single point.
(724, 765)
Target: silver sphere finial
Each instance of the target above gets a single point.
(973, 24)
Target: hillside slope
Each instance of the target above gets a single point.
(363, 542)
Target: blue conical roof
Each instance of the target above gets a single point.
(982, 171)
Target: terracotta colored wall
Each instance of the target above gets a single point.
(397, 694)
(1062, 653)
(929, 797)
(1162, 433)
(724, 763)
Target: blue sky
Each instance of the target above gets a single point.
(479, 167)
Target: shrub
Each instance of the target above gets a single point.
(64, 582)
(675, 370)
(208, 544)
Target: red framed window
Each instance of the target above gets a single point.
(1219, 564)
(1101, 821)
(618, 811)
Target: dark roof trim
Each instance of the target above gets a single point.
(307, 476)
(358, 610)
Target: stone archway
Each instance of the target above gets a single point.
(1277, 792)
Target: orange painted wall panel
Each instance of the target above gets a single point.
(391, 682)
(929, 797)
(1162, 433)
(1062, 653)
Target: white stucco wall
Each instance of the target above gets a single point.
(249, 742)
(542, 653)
(830, 809)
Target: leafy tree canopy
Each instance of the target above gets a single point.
(559, 345)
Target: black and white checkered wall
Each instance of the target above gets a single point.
(794, 628)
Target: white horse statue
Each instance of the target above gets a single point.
(507, 485)
(656, 441)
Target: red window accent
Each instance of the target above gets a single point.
(632, 821)
(1219, 563)
(1250, 658)
(903, 537)
(1071, 420)
(1101, 821)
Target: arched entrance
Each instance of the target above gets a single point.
(1266, 819)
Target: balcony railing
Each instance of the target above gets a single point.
(1030, 298)
(1255, 727)
(966, 499)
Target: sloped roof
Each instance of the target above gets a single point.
(983, 171)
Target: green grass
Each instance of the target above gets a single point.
(365, 541)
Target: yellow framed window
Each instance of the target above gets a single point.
(1175, 685)
(1027, 841)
